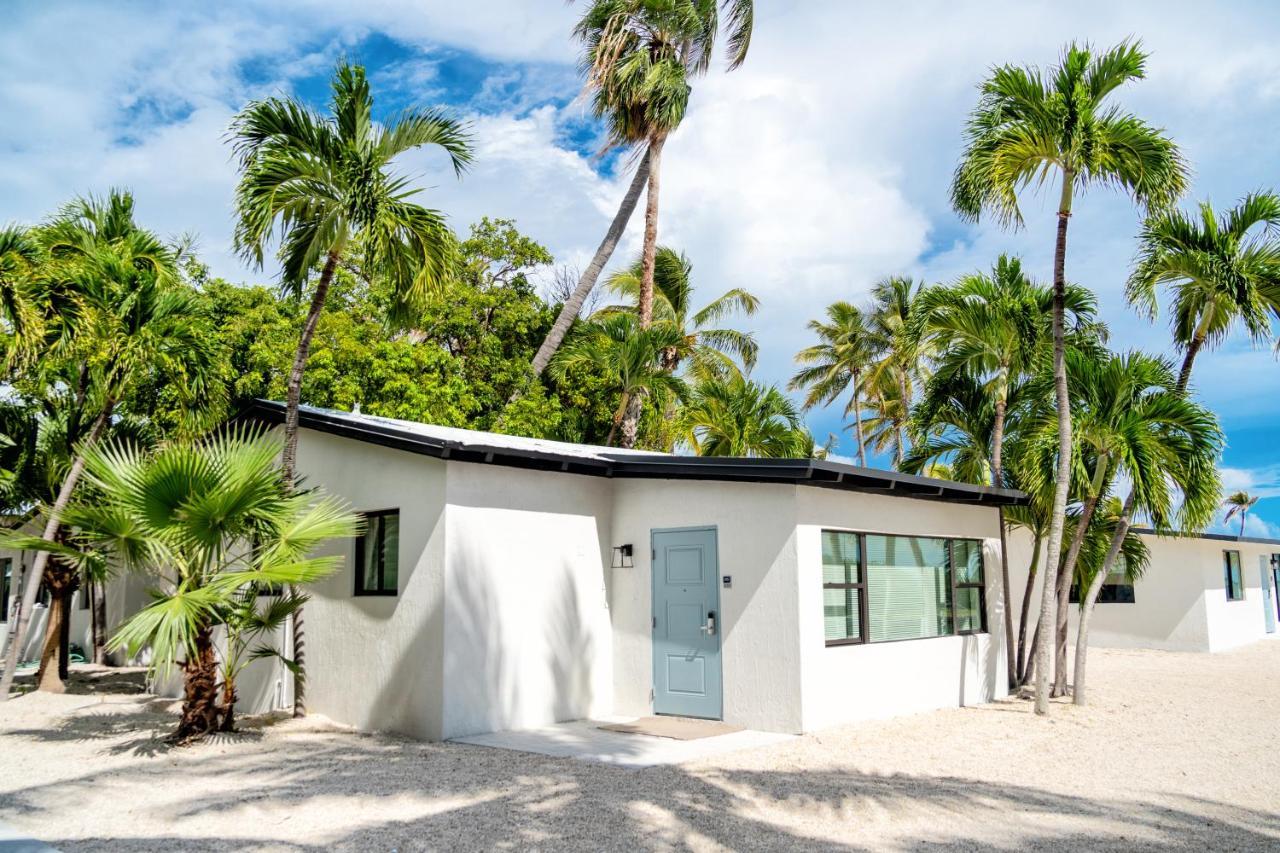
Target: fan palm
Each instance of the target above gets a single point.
(837, 364)
(112, 316)
(710, 351)
(629, 357)
(1167, 446)
(1028, 125)
(1222, 269)
(323, 184)
(734, 416)
(1239, 504)
(210, 521)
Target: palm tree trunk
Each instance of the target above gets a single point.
(1184, 376)
(64, 636)
(649, 252)
(997, 479)
(1086, 614)
(857, 424)
(573, 306)
(48, 677)
(904, 396)
(1021, 671)
(631, 420)
(99, 605)
(617, 418)
(1066, 574)
(200, 691)
(33, 578)
(289, 458)
(1058, 517)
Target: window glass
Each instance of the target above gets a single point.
(908, 588)
(1235, 590)
(378, 554)
(6, 578)
(968, 609)
(839, 557)
(968, 561)
(840, 613)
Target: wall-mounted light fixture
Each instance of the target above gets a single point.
(622, 557)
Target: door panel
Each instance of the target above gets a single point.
(1268, 613)
(686, 603)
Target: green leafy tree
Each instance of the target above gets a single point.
(1028, 126)
(896, 371)
(1222, 270)
(734, 416)
(109, 316)
(837, 364)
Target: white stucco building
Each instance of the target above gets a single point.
(510, 583)
(1204, 593)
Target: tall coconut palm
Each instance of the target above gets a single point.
(898, 359)
(1168, 447)
(889, 393)
(837, 364)
(320, 185)
(639, 57)
(1239, 504)
(629, 357)
(1222, 269)
(711, 351)
(737, 417)
(1029, 125)
(111, 312)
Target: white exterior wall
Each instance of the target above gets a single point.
(1180, 603)
(527, 637)
(376, 662)
(760, 650)
(849, 683)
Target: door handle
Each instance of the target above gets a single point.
(709, 627)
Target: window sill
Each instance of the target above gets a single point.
(390, 593)
(835, 644)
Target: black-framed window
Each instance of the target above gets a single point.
(1117, 588)
(1231, 575)
(6, 582)
(882, 588)
(378, 554)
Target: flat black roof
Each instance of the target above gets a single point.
(1217, 537)
(603, 463)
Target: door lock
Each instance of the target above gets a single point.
(709, 628)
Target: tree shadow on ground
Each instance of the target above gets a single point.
(362, 792)
(90, 679)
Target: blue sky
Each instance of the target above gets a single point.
(818, 167)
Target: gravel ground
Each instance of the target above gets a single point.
(1178, 750)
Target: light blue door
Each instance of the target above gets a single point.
(686, 623)
(1268, 598)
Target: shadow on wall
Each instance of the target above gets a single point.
(570, 652)
(407, 793)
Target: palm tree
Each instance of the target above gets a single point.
(20, 255)
(1222, 269)
(209, 521)
(629, 357)
(837, 364)
(112, 315)
(737, 417)
(1028, 125)
(636, 79)
(1168, 447)
(322, 185)
(711, 351)
(898, 363)
(1239, 504)
(889, 398)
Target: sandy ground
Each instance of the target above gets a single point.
(1178, 750)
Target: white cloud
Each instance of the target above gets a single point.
(818, 167)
